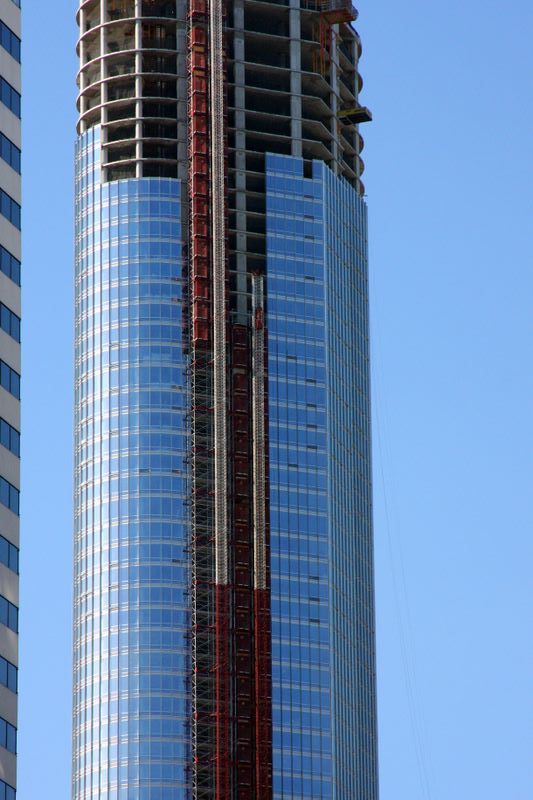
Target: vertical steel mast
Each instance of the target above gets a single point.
(201, 380)
(210, 517)
(231, 621)
(261, 577)
(218, 162)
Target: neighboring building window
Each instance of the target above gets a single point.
(11, 155)
(9, 615)
(9, 495)
(9, 97)
(8, 736)
(9, 322)
(9, 556)
(9, 676)
(9, 379)
(6, 791)
(10, 209)
(10, 266)
(9, 438)
(11, 43)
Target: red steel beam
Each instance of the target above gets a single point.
(233, 674)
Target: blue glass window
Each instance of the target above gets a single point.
(9, 495)
(9, 554)
(8, 736)
(129, 245)
(9, 265)
(10, 209)
(9, 614)
(320, 485)
(9, 379)
(302, 726)
(10, 152)
(9, 41)
(7, 792)
(8, 678)
(9, 322)
(9, 97)
(9, 437)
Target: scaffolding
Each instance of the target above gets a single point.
(261, 577)
(218, 195)
(230, 616)
(201, 383)
(331, 13)
(242, 620)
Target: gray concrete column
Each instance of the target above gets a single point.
(296, 77)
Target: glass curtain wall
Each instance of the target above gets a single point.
(323, 660)
(131, 624)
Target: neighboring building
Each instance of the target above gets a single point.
(10, 191)
(224, 610)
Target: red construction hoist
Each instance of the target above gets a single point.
(231, 723)
(332, 12)
(201, 380)
(261, 544)
(243, 623)
(221, 453)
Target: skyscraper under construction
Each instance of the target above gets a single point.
(224, 611)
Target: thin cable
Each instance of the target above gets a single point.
(405, 628)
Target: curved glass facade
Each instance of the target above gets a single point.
(301, 690)
(323, 658)
(131, 618)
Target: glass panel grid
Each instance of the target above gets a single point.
(9, 265)
(10, 153)
(350, 491)
(131, 651)
(9, 41)
(323, 661)
(10, 97)
(302, 726)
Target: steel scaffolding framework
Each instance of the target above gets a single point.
(230, 604)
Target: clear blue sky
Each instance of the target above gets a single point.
(449, 184)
